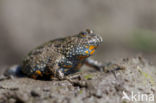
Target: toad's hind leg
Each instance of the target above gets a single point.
(60, 74)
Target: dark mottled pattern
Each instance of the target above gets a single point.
(65, 55)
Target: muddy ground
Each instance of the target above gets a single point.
(135, 75)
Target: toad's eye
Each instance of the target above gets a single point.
(89, 31)
(83, 34)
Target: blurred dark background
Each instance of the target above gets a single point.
(128, 27)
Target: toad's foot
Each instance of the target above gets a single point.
(108, 67)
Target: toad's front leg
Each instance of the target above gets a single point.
(95, 64)
(108, 67)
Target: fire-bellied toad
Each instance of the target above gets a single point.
(63, 56)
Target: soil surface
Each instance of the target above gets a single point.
(129, 75)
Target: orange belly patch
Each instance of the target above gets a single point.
(92, 51)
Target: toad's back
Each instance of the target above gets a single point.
(42, 57)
